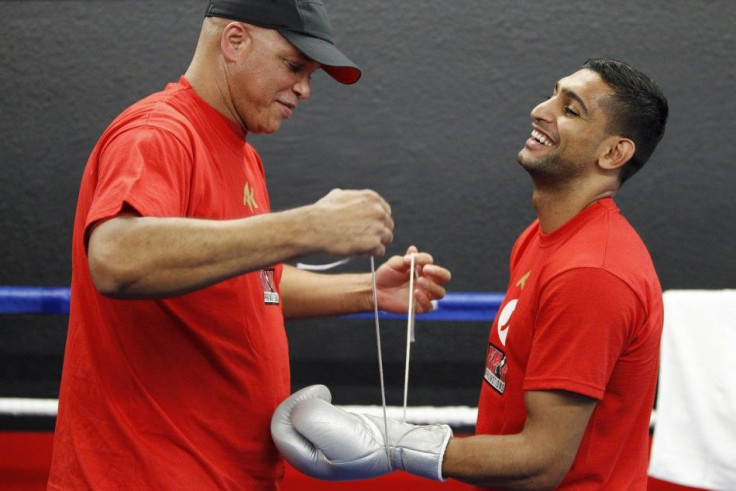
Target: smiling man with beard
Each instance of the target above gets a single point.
(572, 357)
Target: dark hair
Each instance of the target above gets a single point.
(638, 109)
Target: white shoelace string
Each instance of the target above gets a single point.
(409, 330)
(322, 267)
(380, 357)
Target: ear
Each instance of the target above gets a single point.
(235, 37)
(617, 152)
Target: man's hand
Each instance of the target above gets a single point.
(328, 443)
(352, 223)
(392, 282)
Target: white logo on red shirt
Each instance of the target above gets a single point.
(504, 318)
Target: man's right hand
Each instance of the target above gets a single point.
(351, 223)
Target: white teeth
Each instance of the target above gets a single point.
(541, 138)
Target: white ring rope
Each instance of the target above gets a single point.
(17, 406)
(456, 416)
(453, 415)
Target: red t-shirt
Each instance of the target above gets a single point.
(175, 393)
(582, 313)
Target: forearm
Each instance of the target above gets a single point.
(538, 457)
(498, 460)
(146, 257)
(307, 294)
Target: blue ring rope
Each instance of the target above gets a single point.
(456, 306)
(34, 300)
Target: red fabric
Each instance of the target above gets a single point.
(26, 457)
(176, 392)
(582, 313)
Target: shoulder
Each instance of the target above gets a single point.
(529, 236)
(606, 240)
(156, 118)
(612, 264)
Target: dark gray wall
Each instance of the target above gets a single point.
(434, 125)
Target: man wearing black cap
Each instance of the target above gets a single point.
(176, 355)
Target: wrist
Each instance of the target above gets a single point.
(357, 290)
(307, 229)
(370, 296)
(422, 450)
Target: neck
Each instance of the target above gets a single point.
(200, 77)
(555, 207)
(207, 72)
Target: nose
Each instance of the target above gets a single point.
(542, 111)
(303, 86)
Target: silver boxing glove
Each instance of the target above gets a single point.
(330, 443)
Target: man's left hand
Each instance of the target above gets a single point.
(392, 282)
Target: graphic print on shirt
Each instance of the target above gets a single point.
(522, 282)
(504, 319)
(249, 198)
(496, 368)
(270, 296)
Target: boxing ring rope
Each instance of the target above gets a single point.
(34, 300)
(455, 306)
(20, 406)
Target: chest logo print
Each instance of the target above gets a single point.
(504, 318)
(522, 282)
(248, 198)
(270, 295)
(496, 369)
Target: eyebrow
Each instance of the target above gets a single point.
(297, 53)
(301, 57)
(573, 95)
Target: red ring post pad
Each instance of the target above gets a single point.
(34, 300)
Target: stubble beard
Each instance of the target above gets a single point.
(540, 167)
(550, 169)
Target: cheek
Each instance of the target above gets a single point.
(252, 97)
(261, 117)
(575, 137)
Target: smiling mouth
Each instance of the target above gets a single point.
(539, 137)
(288, 107)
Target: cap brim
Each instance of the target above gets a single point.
(333, 61)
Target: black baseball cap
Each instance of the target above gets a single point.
(303, 22)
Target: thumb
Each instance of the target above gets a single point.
(341, 436)
(283, 411)
(282, 430)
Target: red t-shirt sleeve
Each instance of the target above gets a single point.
(145, 171)
(586, 317)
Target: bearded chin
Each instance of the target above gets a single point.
(540, 168)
